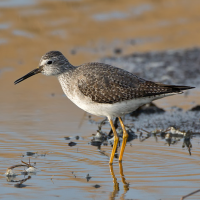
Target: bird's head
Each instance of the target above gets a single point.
(52, 63)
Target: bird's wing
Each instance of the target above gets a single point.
(107, 84)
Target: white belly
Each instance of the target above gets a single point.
(114, 110)
(110, 110)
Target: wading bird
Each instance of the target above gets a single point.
(102, 89)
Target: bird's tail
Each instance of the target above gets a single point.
(175, 88)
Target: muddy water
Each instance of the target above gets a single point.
(36, 116)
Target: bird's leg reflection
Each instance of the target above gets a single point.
(126, 185)
(116, 184)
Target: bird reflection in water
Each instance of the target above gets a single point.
(116, 184)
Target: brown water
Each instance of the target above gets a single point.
(36, 116)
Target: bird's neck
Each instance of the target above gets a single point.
(67, 68)
(66, 77)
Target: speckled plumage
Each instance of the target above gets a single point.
(107, 84)
(51, 54)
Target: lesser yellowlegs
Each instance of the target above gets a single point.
(102, 89)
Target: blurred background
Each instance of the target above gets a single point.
(86, 30)
(36, 116)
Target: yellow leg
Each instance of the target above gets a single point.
(116, 139)
(125, 137)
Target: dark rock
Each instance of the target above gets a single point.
(24, 173)
(67, 138)
(77, 137)
(88, 177)
(19, 185)
(96, 186)
(117, 50)
(71, 144)
(196, 108)
(96, 143)
(147, 109)
(30, 153)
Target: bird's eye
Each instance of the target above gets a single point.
(49, 62)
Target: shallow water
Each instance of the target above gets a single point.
(36, 116)
(152, 169)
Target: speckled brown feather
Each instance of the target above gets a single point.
(107, 84)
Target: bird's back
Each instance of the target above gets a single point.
(107, 84)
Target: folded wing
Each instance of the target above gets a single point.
(108, 84)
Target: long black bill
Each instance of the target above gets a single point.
(35, 71)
